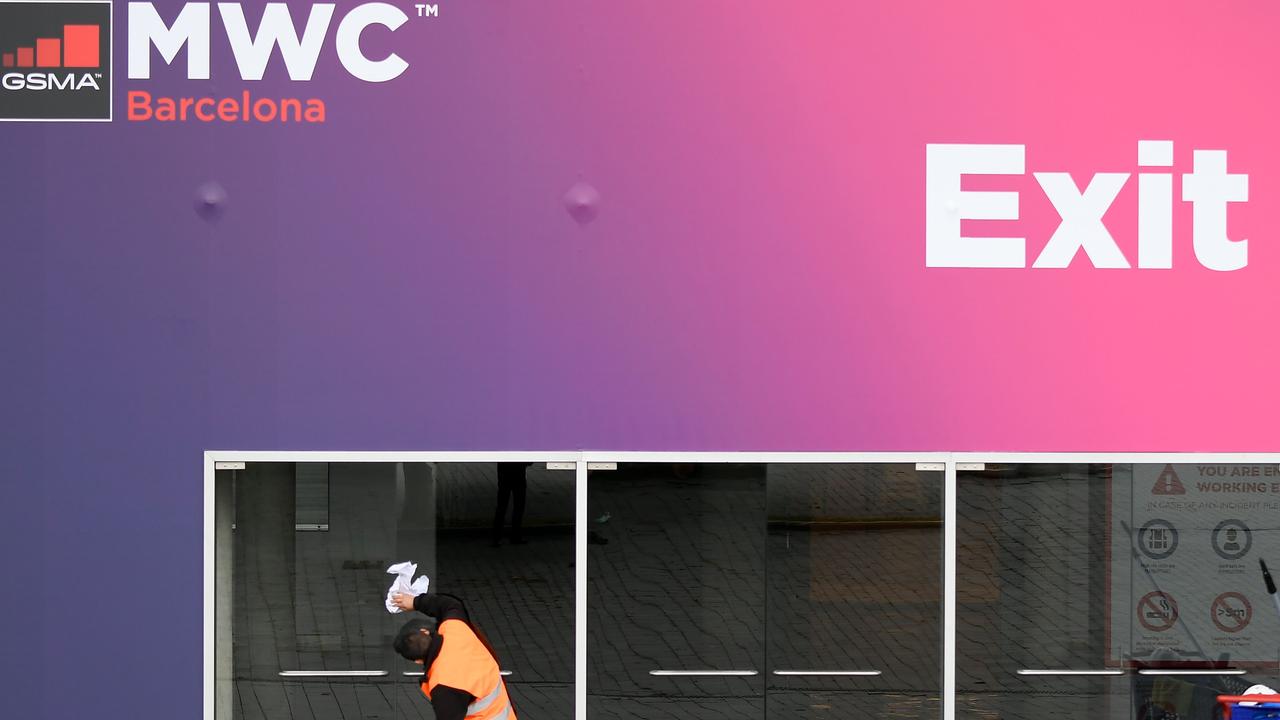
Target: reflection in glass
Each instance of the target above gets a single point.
(520, 594)
(854, 569)
(780, 591)
(676, 583)
(1090, 590)
(302, 552)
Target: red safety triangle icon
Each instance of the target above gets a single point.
(1168, 483)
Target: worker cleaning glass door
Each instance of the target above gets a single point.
(302, 556)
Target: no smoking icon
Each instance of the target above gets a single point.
(1157, 611)
(1231, 612)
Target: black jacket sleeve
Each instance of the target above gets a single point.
(450, 703)
(441, 607)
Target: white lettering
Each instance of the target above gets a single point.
(1155, 205)
(348, 42)
(276, 29)
(48, 81)
(253, 52)
(191, 28)
(1081, 226)
(946, 205)
(1209, 187)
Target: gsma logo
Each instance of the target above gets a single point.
(55, 60)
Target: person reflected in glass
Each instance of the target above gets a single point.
(512, 485)
(461, 676)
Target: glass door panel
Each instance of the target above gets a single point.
(515, 571)
(1113, 591)
(764, 590)
(302, 551)
(1032, 573)
(854, 591)
(676, 600)
(310, 547)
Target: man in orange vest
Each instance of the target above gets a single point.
(461, 677)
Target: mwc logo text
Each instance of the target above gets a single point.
(1208, 187)
(252, 52)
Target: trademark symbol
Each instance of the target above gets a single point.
(427, 11)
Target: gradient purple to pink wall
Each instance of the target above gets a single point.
(405, 276)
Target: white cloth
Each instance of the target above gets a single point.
(404, 583)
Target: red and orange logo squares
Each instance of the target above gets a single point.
(77, 48)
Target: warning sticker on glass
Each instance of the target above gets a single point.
(1185, 581)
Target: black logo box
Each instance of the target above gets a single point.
(21, 23)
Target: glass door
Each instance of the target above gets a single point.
(504, 544)
(308, 548)
(302, 551)
(1113, 591)
(854, 569)
(779, 591)
(676, 591)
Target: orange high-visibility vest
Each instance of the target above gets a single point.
(464, 663)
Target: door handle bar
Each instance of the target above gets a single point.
(333, 673)
(827, 673)
(703, 673)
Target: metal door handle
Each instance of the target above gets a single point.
(1070, 672)
(703, 673)
(419, 673)
(334, 673)
(1206, 671)
(827, 673)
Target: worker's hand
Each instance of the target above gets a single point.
(403, 601)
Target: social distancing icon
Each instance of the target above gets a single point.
(1231, 612)
(1168, 483)
(1157, 611)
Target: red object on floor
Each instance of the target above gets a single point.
(1227, 701)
